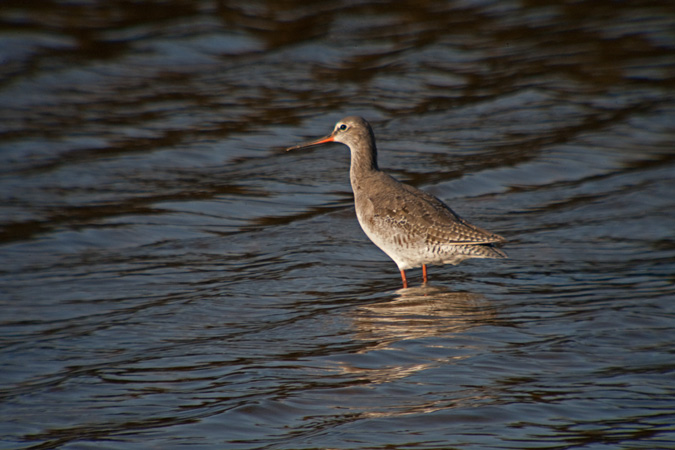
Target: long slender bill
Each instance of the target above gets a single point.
(323, 140)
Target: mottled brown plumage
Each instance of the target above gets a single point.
(411, 226)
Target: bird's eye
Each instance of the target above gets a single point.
(343, 127)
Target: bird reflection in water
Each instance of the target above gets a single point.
(419, 312)
(416, 333)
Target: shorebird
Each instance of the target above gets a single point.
(412, 227)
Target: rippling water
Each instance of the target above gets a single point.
(171, 278)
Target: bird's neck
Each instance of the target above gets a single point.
(364, 165)
(364, 161)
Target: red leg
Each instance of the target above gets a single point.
(424, 272)
(405, 282)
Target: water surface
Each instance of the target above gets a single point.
(171, 278)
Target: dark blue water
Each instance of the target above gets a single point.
(171, 278)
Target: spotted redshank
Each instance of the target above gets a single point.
(411, 226)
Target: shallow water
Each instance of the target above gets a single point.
(170, 277)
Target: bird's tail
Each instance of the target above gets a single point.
(481, 251)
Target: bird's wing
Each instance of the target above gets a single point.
(422, 214)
